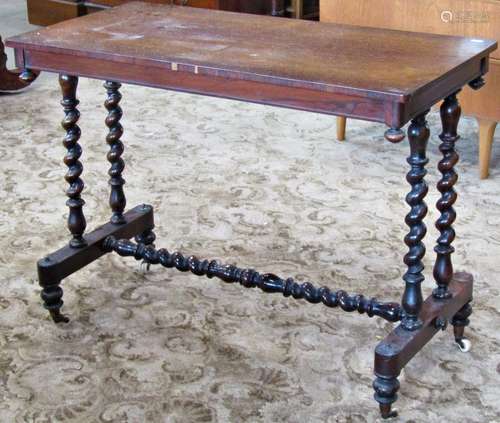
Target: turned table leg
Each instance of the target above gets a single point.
(443, 268)
(386, 386)
(52, 293)
(418, 134)
(117, 200)
(76, 218)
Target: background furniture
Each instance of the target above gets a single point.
(48, 12)
(12, 80)
(478, 18)
(302, 9)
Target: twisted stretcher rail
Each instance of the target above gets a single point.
(250, 278)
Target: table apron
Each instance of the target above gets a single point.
(250, 91)
(444, 86)
(393, 113)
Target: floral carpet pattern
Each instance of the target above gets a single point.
(261, 187)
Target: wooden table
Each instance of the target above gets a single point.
(377, 75)
(13, 80)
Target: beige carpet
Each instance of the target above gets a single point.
(262, 187)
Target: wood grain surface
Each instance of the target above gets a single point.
(362, 61)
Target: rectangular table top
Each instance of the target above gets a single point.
(208, 47)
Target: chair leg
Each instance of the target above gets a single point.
(486, 133)
(341, 124)
(299, 9)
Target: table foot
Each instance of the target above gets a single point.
(58, 317)
(55, 267)
(459, 322)
(386, 394)
(51, 296)
(387, 412)
(401, 345)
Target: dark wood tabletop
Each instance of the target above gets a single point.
(391, 75)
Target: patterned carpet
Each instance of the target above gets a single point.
(261, 187)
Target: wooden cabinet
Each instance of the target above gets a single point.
(471, 18)
(48, 12)
(244, 6)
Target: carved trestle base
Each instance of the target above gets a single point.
(401, 345)
(139, 224)
(53, 268)
(391, 355)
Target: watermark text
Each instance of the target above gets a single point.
(464, 16)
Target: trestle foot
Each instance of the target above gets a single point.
(57, 266)
(401, 345)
